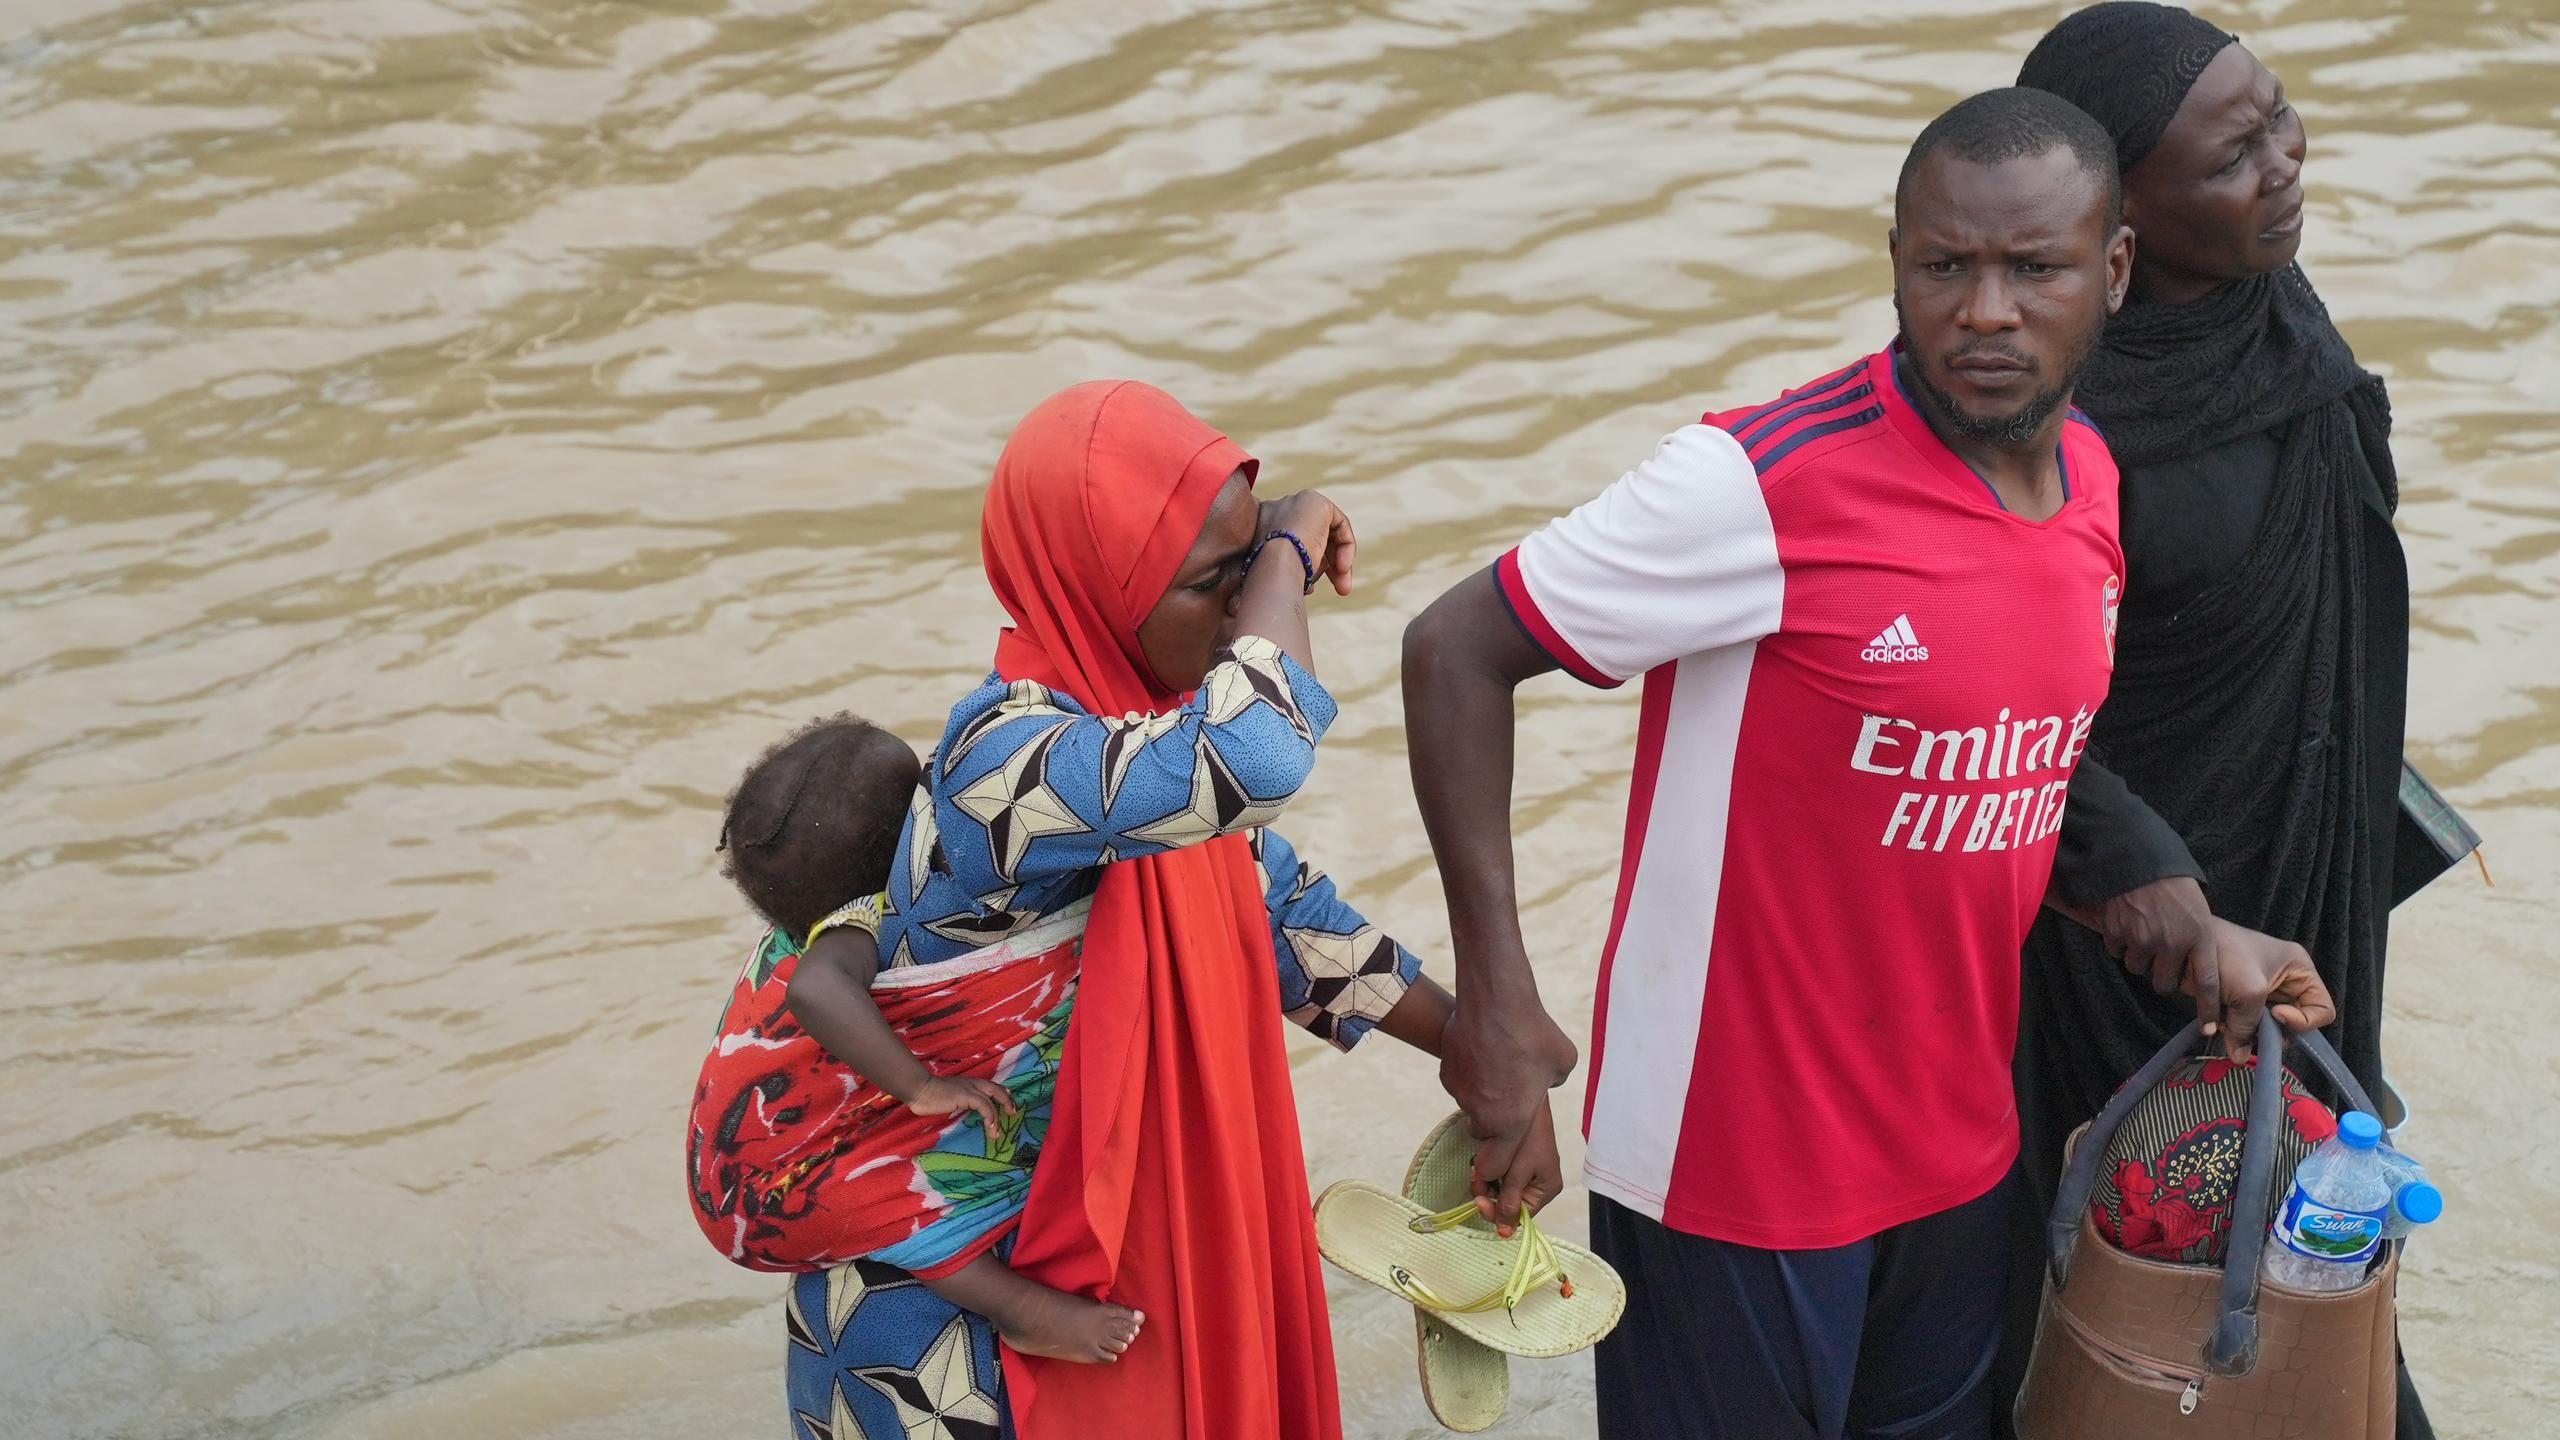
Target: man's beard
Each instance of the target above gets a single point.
(2010, 432)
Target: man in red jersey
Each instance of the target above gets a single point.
(1875, 617)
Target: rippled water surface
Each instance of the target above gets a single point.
(440, 440)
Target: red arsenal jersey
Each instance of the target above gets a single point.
(1865, 686)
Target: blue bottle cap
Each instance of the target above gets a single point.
(2359, 1130)
(2419, 1202)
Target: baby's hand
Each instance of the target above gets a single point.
(944, 1094)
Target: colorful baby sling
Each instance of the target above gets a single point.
(797, 1163)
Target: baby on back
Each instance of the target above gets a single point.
(838, 1101)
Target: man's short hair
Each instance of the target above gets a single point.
(2013, 124)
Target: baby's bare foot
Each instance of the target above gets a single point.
(1058, 1326)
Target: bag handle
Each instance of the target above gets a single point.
(2232, 1348)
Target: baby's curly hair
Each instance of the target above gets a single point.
(814, 822)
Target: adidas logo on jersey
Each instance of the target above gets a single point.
(1896, 643)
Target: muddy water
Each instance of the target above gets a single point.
(440, 441)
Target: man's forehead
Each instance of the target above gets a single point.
(2049, 195)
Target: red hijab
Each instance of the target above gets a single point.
(1172, 1178)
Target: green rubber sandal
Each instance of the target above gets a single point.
(1528, 1295)
(1466, 1384)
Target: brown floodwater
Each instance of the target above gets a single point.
(441, 440)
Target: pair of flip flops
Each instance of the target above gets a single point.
(1478, 1298)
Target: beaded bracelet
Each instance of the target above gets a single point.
(1306, 562)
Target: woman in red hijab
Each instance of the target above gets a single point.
(1153, 706)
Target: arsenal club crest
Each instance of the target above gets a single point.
(2110, 597)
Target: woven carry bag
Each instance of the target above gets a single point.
(2135, 1349)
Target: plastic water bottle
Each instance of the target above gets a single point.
(2414, 1201)
(2332, 1219)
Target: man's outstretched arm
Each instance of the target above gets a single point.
(1502, 1051)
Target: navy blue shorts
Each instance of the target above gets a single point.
(1891, 1338)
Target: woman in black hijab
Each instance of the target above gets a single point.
(2263, 645)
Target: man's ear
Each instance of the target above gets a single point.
(2119, 267)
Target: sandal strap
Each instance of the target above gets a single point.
(1533, 1266)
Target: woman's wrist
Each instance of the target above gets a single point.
(1282, 537)
(1420, 1017)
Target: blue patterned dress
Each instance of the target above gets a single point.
(1025, 800)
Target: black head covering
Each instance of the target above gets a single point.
(2169, 381)
(2128, 64)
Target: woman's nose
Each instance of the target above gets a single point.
(2283, 168)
